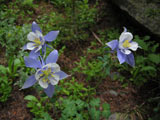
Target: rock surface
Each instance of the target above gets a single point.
(114, 93)
(146, 12)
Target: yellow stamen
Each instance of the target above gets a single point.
(45, 74)
(44, 79)
(126, 44)
(52, 75)
(37, 41)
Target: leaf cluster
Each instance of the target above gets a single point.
(11, 36)
(74, 90)
(80, 110)
(92, 69)
(5, 84)
(39, 107)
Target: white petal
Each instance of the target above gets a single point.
(121, 45)
(32, 36)
(38, 34)
(39, 47)
(30, 46)
(134, 46)
(126, 51)
(54, 80)
(43, 84)
(54, 66)
(37, 74)
(125, 36)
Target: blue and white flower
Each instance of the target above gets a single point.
(37, 40)
(48, 73)
(124, 47)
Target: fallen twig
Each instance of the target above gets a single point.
(97, 38)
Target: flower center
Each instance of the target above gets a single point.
(37, 41)
(126, 44)
(46, 74)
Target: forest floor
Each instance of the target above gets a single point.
(120, 99)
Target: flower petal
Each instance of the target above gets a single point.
(31, 62)
(39, 34)
(34, 54)
(38, 49)
(24, 47)
(42, 61)
(125, 36)
(30, 46)
(49, 90)
(44, 49)
(37, 74)
(54, 80)
(113, 44)
(62, 75)
(29, 82)
(130, 59)
(125, 51)
(31, 36)
(51, 36)
(52, 57)
(121, 56)
(36, 27)
(43, 84)
(134, 46)
(54, 66)
(125, 29)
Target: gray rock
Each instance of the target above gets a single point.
(114, 116)
(118, 116)
(146, 12)
(112, 92)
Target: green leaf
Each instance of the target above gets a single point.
(80, 104)
(95, 114)
(17, 63)
(95, 102)
(31, 98)
(78, 117)
(148, 68)
(3, 69)
(140, 60)
(46, 116)
(106, 110)
(155, 47)
(154, 58)
(141, 42)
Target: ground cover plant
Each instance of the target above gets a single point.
(61, 63)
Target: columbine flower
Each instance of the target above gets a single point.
(124, 47)
(37, 40)
(47, 75)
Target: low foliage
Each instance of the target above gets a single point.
(5, 84)
(11, 36)
(80, 110)
(38, 107)
(74, 90)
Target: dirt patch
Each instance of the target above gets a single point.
(121, 99)
(15, 107)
